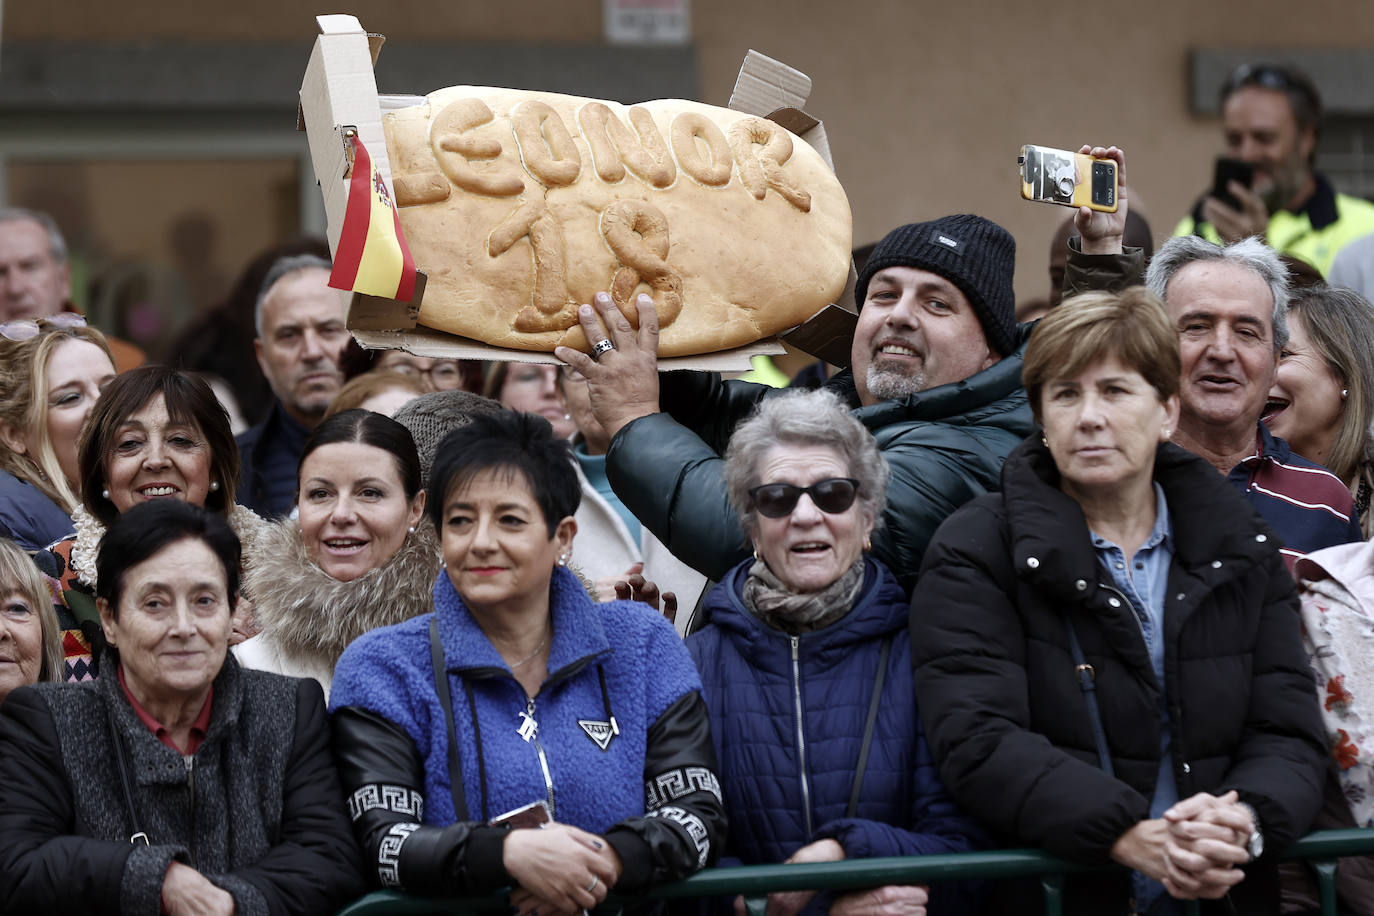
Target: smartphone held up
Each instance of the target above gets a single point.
(1056, 176)
(1228, 170)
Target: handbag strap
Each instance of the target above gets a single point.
(1086, 676)
(122, 763)
(455, 767)
(872, 721)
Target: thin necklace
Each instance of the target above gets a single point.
(537, 649)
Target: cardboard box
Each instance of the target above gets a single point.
(339, 95)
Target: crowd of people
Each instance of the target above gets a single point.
(1098, 583)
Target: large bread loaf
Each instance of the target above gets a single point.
(519, 205)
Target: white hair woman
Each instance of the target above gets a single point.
(809, 640)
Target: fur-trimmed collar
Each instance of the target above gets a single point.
(308, 614)
(89, 532)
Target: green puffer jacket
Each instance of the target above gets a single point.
(944, 446)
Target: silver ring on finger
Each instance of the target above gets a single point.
(602, 346)
(595, 881)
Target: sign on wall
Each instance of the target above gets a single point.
(648, 22)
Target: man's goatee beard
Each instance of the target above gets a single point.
(889, 384)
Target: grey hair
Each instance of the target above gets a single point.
(1250, 253)
(799, 417)
(57, 245)
(281, 268)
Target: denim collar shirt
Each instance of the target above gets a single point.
(1142, 580)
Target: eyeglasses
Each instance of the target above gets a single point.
(444, 374)
(28, 328)
(832, 496)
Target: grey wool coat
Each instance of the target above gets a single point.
(257, 809)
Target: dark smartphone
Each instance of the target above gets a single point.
(1227, 171)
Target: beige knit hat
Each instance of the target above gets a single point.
(433, 416)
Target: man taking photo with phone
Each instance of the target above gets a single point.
(1271, 118)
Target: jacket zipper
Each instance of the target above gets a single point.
(190, 762)
(1183, 778)
(543, 760)
(801, 735)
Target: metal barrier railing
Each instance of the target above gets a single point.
(1320, 849)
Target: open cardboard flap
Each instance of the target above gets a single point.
(339, 94)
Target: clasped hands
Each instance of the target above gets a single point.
(1194, 848)
(559, 870)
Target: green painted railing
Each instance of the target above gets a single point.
(1320, 849)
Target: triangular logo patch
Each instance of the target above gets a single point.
(600, 732)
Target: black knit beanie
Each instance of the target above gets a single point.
(973, 253)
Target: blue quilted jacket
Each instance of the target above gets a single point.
(787, 777)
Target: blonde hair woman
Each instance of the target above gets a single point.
(51, 373)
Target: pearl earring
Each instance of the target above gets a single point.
(562, 559)
(1045, 442)
(104, 494)
(411, 529)
(214, 486)
(1344, 392)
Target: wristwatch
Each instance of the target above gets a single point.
(1255, 845)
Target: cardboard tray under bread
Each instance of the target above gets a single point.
(339, 93)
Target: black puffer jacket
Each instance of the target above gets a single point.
(944, 445)
(1009, 724)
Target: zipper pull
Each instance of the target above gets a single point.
(528, 726)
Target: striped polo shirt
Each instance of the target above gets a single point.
(1307, 506)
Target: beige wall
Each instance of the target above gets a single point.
(925, 103)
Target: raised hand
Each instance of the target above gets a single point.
(1102, 232)
(623, 379)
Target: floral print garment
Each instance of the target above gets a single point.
(1338, 631)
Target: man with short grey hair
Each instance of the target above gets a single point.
(1229, 305)
(35, 278)
(35, 281)
(300, 337)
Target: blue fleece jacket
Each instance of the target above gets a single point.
(646, 668)
(753, 688)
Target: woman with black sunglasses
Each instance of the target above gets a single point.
(805, 667)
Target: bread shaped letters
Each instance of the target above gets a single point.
(520, 205)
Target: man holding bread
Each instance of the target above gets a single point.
(935, 375)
